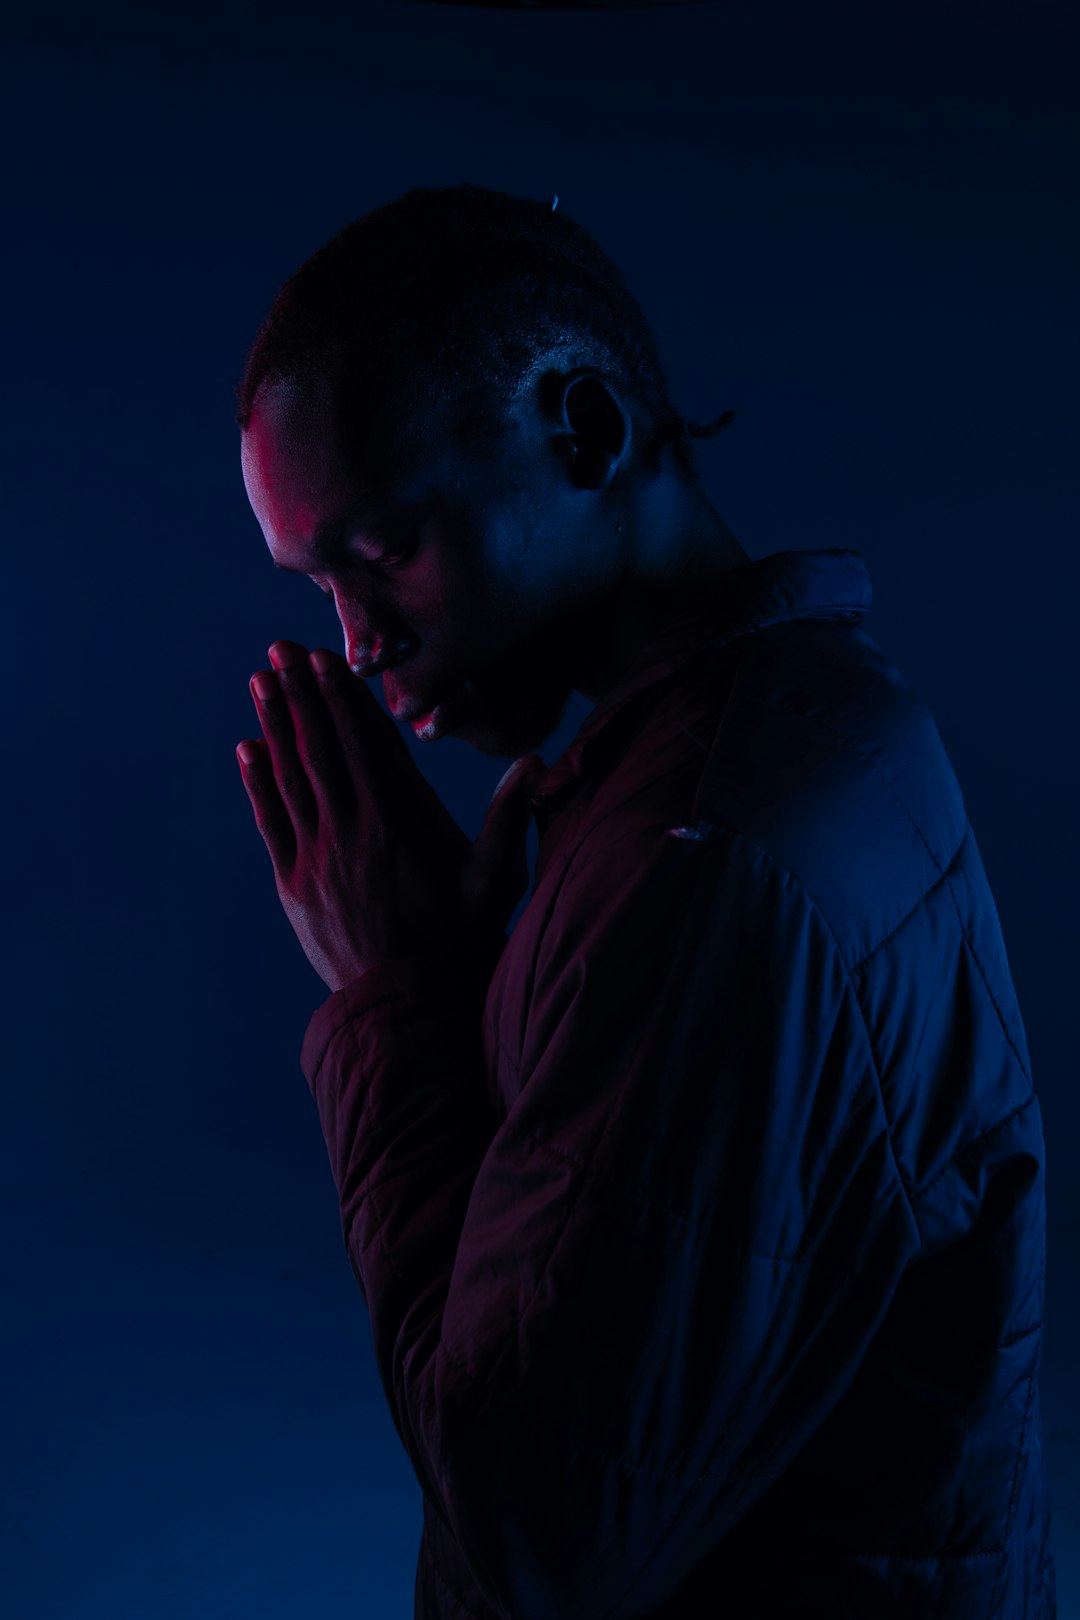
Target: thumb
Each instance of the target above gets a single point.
(507, 818)
(497, 870)
(518, 778)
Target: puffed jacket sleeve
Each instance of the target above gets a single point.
(608, 1323)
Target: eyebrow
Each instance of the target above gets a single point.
(324, 543)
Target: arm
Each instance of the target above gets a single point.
(607, 1324)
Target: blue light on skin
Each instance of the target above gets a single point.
(543, 558)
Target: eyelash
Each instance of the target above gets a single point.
(404, 555)
(396, 561)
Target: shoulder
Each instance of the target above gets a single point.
(826, 759)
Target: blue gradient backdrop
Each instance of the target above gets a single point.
(857, 226)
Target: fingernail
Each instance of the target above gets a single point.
(505, 777)
(282, 655)
(320, 660)
(263, 685)
(247, 752)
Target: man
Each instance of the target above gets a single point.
(701, 1223)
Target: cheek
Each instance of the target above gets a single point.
(448, 606)
(463, 598)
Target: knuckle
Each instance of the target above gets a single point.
(316, 754)
(333, 685)
(257, 779)
(295, 682)
(277, 719)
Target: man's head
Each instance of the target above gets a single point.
(462, 399)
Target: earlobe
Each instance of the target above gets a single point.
(591, 465)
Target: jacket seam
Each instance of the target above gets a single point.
(496, 1035)
(1007, 1344)
(943, 876)
(459, 1602)
(745, 1471)
(854, 989)
(831, 612)
(1010, 1516)
(398, 993)
(912, 1193)
(917, 1192)
(869, 760)
(965, 1147)
(1001, 1547)
(926, 1558)
(359, 1012)
(659, 1206)
(542, 932)
(989, 991)
(897, 928)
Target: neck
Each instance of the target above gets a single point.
(678, 551)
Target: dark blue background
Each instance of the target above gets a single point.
(857, 226)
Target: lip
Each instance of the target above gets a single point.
(434, 723)
(407, 708)
(409, 712)
(418, 708)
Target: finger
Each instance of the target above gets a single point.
(497, 872)
(368, 739)
(316, 743)
(271, 816)
(289, 774)
(385, 776)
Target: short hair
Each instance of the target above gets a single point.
(459, 296)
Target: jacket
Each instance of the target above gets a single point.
(701, 1224)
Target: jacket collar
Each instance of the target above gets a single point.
(828, 584)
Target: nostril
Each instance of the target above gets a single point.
(362, 663)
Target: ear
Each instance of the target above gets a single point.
(597, 428)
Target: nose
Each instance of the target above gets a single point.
(369, 650)
(371, 657)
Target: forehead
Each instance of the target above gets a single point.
(301, 475)
(309, 466)
(289, 450)
(299, 452)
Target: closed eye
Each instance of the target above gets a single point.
(406, 552)
(398, 559)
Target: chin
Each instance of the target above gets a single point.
(500, 735)
(502, 742)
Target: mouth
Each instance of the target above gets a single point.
(432, 725)
(428, 719)
(414, 709)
